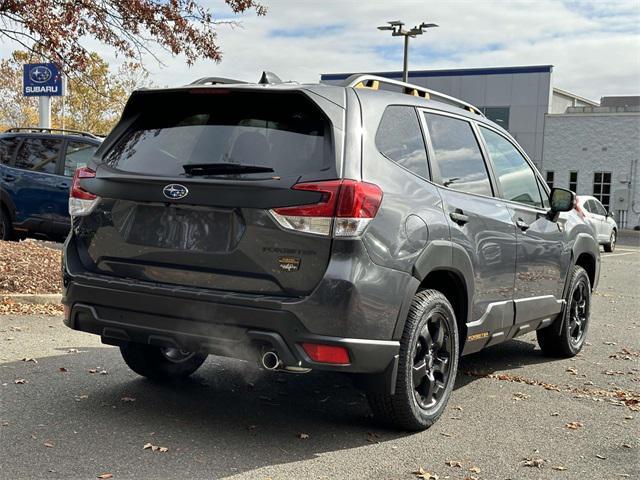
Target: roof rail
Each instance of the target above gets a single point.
(373, 81)
(50, 130)
(216, 81)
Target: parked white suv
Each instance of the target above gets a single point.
(604, 226)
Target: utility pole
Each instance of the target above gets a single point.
(396, 29)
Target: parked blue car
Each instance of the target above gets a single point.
(36, 168)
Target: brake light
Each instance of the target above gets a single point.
(322, 353)
(81, 202)
(346, 205)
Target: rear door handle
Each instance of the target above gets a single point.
(9, 178)
(63, 186)
(459, 217)
(522, 225)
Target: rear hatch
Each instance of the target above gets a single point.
(186, 183)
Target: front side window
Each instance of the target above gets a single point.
(458, 162)
(602, 187)
(77, 155)
(599, 208)
(517, 179)
(39, 154)
(7, 149)
(399, 138)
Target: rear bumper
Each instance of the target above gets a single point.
(232, 330)
(341, 311)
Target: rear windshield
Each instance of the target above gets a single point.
(283, 132)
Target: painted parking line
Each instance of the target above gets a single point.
(609, 255)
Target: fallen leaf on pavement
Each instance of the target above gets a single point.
(163, 449)
(32, 360)
(62, 369)
(520, 396)
(533, 462)
(93, 370)
(303, 436)
(453, 463)
(128, 399)
(572, 370)
(20, 381)
(444, 434)
(424, 475)
(573, 425)
(626, 445)
(555, 414)
(105, 476)
(560, 468)
(48, 445)
(474, 470)
(601, 457)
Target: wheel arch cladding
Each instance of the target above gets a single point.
(447, 268)
(585, 254)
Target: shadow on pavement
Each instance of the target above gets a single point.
(229, 418)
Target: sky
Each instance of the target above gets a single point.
(594, 46)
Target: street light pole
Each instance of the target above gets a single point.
(396, 29)
(405, 63)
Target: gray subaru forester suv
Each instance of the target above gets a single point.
(375, 228)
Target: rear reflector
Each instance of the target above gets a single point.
(322, 353)
(346, 205)
(81, 202)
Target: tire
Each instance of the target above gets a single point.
(611, 246)
(6, 229)
(412, 407)
(568, 340)
(161, 364)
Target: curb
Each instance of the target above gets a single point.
(38, 298)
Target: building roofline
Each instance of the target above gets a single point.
(577, 97)
(450, 72)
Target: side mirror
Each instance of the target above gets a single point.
(562, 200)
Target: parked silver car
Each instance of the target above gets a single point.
(603, 224)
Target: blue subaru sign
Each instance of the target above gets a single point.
(42, 80)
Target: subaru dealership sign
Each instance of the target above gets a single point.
(42, 80)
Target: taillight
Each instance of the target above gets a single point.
(322, 353)
(347, 206)
(81, 202)
(579, 209)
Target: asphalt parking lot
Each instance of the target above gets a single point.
(70, 408)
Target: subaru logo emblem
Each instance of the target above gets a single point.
(40, 74)
(175, 191)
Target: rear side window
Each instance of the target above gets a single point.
(285, 133)
(77, 155)
(39, 154)
(517, 180)
(7, 149)
(399, 138)
(458, 162)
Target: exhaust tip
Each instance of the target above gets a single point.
(270, 360)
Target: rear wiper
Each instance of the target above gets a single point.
(223, 168)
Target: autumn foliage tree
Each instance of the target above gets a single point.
(56, 29)
(94, 101)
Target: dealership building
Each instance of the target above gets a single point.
(588, 146)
